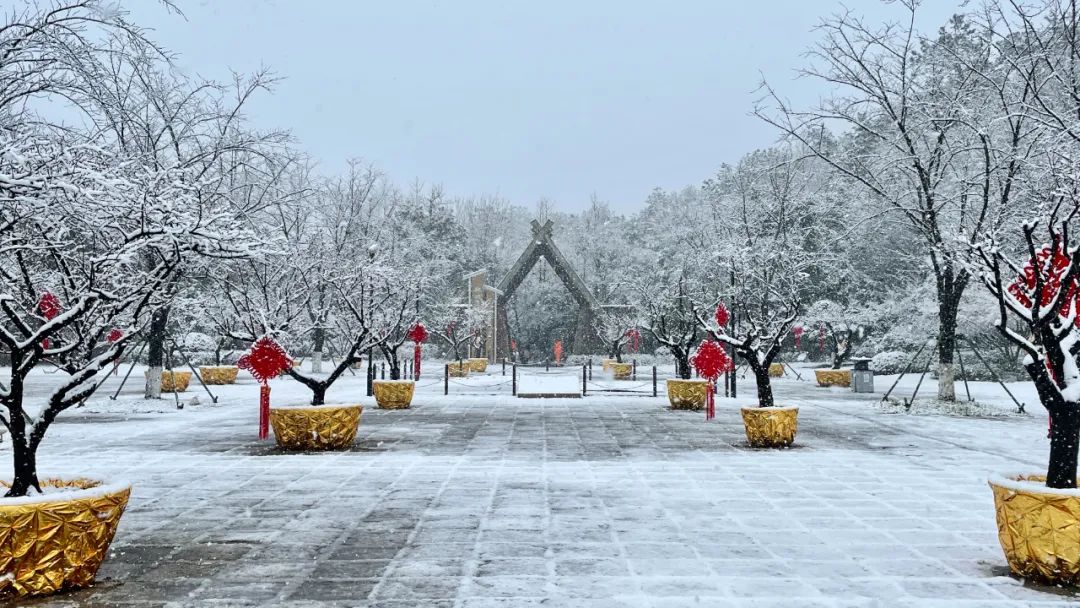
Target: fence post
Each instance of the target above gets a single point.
(504, 366)
(654, 381)
(547, 366)
(370, 380)
(513, 379)
(584, 380)
(382, 375)
(446, 379)
(634, 362)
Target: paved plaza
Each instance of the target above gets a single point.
(484, 501)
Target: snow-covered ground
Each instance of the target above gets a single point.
(478, 500)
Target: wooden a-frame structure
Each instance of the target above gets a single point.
(543, 246)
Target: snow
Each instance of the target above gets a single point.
(609, 500)
(52, 494)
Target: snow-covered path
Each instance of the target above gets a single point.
(474, 500)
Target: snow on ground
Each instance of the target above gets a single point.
(478, 500)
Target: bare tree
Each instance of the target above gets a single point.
(938, 136)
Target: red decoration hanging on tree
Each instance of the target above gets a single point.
(634, 344)
(49, 306)
(417, 334)
(722, 315)
(711, 360)
(112, 338)
(265, 361)
(1051, 274)
(798, 331)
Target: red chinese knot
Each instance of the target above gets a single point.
(418, 333)
(1051, 270)
(722, 315)
(266, 359)
(49, 305)
(711, 360)
(114, 335)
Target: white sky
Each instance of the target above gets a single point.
(556, 99)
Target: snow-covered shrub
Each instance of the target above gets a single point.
(890, 362)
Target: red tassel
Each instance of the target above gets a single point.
(264, 411)
(710, 402)
(416, 362)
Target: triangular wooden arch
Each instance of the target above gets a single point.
(543, 246)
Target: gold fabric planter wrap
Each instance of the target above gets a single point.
(687, 394)
(49, 545)
(316, 427)
(770, 427)
(622, 371)
(833, 377)
(776, 370)
(607, 363)
(218, 374)
(1039, 528)
(459, 370)
(175, 382)
(477, 364)
(394, 394)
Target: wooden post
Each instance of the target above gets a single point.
(370, 380)
(504, 366)
(584, 379)
(446, 379)
(590, 368)
(654, 381)
(513, 380)
(382, 367)
(547, 366)
(634, 376)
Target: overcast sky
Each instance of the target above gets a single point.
(556, 99)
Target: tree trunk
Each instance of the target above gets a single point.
(764, 386)
(395, 366)
(316, 355)
(23, 458)
(1064, 447)
(25, 468)
(682, 364)
(947, 310)
(155, 341)
(318, 394)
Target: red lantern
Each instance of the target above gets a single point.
(417, 334)
(49, 307)
(711, 360)
(634, 335)
(266, 360)
(114, 335)
(798, 331)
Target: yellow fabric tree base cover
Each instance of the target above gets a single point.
(1039, 530)
(319, 427)
(223, 374)
(459, 370)
(57, 545)
(770, 427)
(687, 394)
(776, 370)
(833, 377)
(478, 364)
(622, 371)
(393, 395)
(175, 382)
